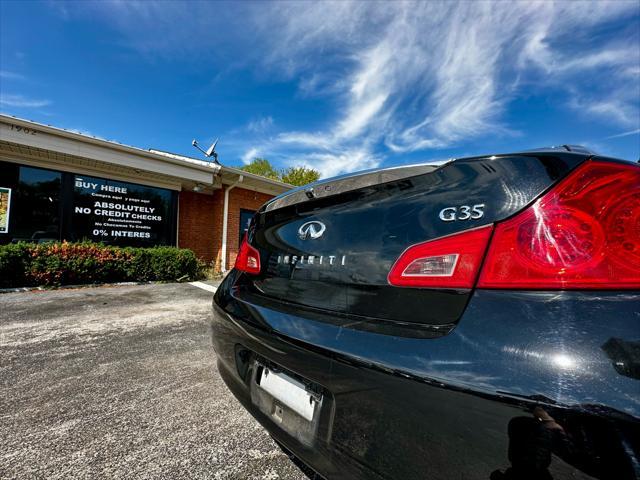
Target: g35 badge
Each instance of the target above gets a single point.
(463, 212)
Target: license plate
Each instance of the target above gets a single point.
(288, 391)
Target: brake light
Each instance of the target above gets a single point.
(446, 262)
(583, 234)
(248, 259)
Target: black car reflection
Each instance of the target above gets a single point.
(591, 443)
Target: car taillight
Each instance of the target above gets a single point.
(583, 234)
(248, 259)
(446, 262)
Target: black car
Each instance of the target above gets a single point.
(478, 319)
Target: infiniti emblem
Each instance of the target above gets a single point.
(312, 229)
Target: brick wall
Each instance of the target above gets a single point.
(239, 198)
(200, 222)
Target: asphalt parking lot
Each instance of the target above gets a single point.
(120, 382)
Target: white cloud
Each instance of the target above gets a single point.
(310, 140)
(249, 155)
(625, 134)
(421, 76)
(403, 76)
(20, 101)
(11, 75)
(260, 125)
(331, 164)
(604, 58)
(615, 108)
(85, 132)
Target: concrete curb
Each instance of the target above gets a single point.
(199, 284)
(72, 287)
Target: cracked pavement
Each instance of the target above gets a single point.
(120, 382)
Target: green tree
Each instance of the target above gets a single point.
(299, 176)
(261, 166)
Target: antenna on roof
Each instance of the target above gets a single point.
(211, 151)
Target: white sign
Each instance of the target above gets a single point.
(5, 209)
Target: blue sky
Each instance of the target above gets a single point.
(337, 86)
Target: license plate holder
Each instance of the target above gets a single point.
(304, 414)
(287, 391)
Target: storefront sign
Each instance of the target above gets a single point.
(119, 212)
(5, 209)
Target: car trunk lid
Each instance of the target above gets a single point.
(328, 248)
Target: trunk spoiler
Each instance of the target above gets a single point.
(349, 182)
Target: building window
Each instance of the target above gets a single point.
(245, 220)
(121, 213)
(46, 205)
(35, 209)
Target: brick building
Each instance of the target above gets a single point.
(61, 185)
(200, 215)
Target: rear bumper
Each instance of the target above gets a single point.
(318, 454)
(459, 406)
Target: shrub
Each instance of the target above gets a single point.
(50, 264)
(14, 261)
